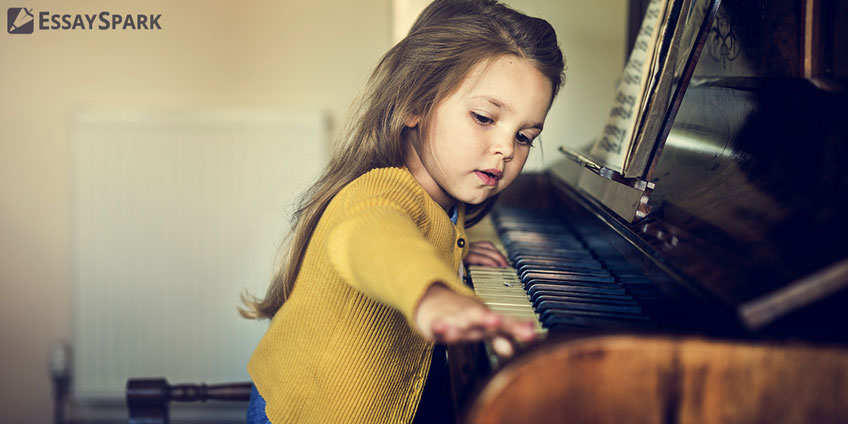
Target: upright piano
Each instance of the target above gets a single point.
(726, 298)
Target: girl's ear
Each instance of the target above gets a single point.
(411, 120)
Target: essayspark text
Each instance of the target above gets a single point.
(102, 21)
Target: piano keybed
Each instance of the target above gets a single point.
(558, 279)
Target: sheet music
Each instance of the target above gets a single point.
(645, 90)
(617, 136)
(665, 77)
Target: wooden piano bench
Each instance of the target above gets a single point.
(665, 379)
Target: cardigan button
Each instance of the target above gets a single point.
(460, 242)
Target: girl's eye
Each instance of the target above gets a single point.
(523, 139)
(483, 120)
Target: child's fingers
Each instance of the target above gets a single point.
(522, 331)
(485, 257)
(486, 244)
(455, 318)
(502, 347)
(487, 324)
(468, 324)
(474, 334)
(445, 331)
(474, 324)
(488, 249)
(437, 329)
(474, 258)
(513, 333)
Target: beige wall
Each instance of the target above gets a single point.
(208, 54)
(592, 36)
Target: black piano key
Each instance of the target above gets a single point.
(566, 275)
(543, 247)
(578, 297)
(551, 254)
(552, 276)
(529, 284)
(548, 253)
(526, 266)
(584, 261)
(549, 249)
(551, 313)
(561, 323)
(531, 241)
(587, 266)
(536, 258)
(589, 289)
(545, 305)
(586, 297)
(574, 276)
(538, 232)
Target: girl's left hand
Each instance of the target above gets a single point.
(485, 253)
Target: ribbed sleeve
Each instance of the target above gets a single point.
(343, 348)
(380, 251)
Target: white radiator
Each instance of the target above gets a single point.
(174, 214)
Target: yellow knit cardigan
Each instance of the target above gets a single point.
(343, 347)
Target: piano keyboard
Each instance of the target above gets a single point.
(558, 279)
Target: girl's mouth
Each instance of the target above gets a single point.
(489, 177)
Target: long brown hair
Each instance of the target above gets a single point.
(446, 41)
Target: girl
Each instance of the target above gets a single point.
(371, 279)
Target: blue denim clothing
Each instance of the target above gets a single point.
(453, 213)
(256, 408)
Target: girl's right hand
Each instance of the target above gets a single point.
(447, 317)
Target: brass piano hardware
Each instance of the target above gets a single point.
(627, 197)
(644, 209)
(606, 172)
(662, 233)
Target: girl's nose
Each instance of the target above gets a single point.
(504, 145)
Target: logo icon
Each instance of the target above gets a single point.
(20, 20)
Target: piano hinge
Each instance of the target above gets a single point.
(626, 196)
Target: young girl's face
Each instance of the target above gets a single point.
(479, 136)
